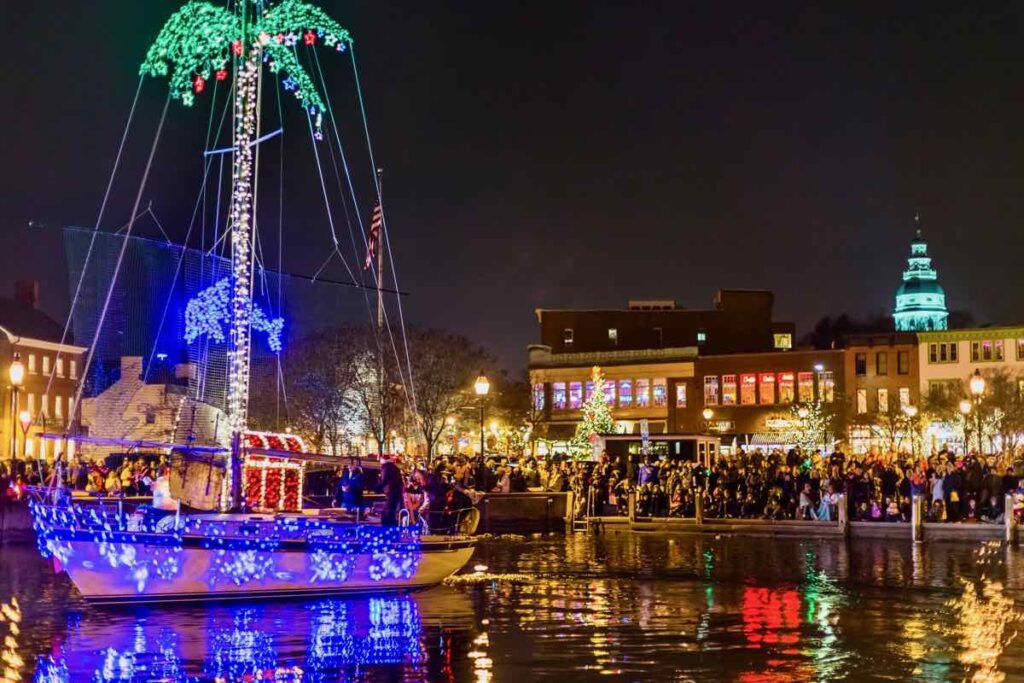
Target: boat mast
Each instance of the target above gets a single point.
(380, 310)
(246, 109)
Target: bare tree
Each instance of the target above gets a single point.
(444, 365)
(379, 385)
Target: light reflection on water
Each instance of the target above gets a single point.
(620, 607)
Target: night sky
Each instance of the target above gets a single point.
(578, 154)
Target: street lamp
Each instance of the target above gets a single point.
(16, 373)
(911, 412)
(965, 410)
(482, 387)
(977, 385)
(25, 418)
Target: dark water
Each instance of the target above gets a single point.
(614, 608)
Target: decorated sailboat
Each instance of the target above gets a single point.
(253, 540)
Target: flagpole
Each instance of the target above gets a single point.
(380, 307)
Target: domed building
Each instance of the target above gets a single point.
(920, 299)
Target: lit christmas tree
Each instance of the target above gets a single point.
(813, 426)
(597, 418)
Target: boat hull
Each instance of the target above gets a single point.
(141, 572)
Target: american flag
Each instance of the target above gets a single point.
(374, 241)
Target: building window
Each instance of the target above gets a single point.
(1020, 349)
(860, 364)
(862, 401)
(588, 391)
(783, 342)
(882, 363)
(702, 337)
(609, 392)
(660, 392)
(46, 365)
(786, 387)
(827, 386)
(58, 406)
(987, 350)
(538, 396)
(44, 406)
(150, 417)
(942, 352)
(659, 336)
(567, 336)
(903, 362)
(59, 362)
(32, 363)
(575, 395)
(681, 395)
(748, 390)
(766, 385)
(558, 395)
(625, 393)
(805, 382)
(613, 336)
(883, 400)
(643, 393)
(32, 404)
(711, 390)
(728, 390)
(73, 367)
(904, 397)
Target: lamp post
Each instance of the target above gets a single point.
(708, 415)
(15, 373)
(482, 387)
(977, 385)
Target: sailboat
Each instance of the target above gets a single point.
(116, 555)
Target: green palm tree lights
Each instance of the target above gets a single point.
(202, 40)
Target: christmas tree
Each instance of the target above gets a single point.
(597, 418)
(813, 426)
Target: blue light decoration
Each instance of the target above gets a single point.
(920, 299)
(208, 310)
(325, 640)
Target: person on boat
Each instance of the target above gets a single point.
(349, 493)
(391, 486)
(162, 499)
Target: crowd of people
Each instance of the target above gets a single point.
(130, 477)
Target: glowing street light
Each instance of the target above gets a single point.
(708, 414)
(965, 407)
(977, 384)
(482, 387)
(910, 411)
(15, 373)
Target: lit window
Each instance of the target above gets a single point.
(728, 390)
(538, 396)
(643, 393)
(827, 386)
(784, 341)
(625, 393)
(46, 365)
(567, 336)
(702, 336)
(609, 393)
(60, 367)
(558, 395)
(73, 366)
(787, 388)
(883, 400)
(681, 395)
(660, 392)
(30, 447)
(613, 336)
(997, 351)
(904, 397)
(588, 391)
(58, 406)
(862, 401)
(44, 406)
(882, 363)
(575, 395)
(805, 381)
(32, 363)
(766, 383)
(32, 404)
(748, 390)
(711, 390)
